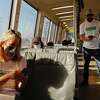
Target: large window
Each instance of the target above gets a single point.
(45, 31)
(5, 11)
(52, 32)
(55, 34)
(27, 23)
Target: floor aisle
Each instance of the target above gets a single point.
(92, 91)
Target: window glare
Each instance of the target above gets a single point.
(27, 23)
(45, 31)
(5, 9)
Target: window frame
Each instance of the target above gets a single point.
(10, 17)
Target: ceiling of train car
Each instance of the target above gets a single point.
(52, 7)
(61, 15)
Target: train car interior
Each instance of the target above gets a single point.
(56, 24)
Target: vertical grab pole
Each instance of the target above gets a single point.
(76, 18)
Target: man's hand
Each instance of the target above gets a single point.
(84, 37)
(90, 37)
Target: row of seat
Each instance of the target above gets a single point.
(65, 57)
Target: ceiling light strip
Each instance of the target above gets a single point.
(63, 7)
(65, 17)
(64, 13)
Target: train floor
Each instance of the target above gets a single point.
(92, 91)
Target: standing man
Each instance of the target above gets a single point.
(90, 36)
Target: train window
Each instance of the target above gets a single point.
(70, 35)
(27, 23)
(55, 33)
(45, 31)
(5, 11)
(59, 40)
(52, 32)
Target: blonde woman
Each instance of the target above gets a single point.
(11, 62)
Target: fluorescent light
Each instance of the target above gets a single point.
(71, 6)
(66, 19)
(98, 83)
(65, 16)
(66, 25)
(64, 22)
(64, 13)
